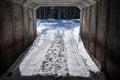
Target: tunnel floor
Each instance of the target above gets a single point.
(57, 54)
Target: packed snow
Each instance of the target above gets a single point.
(58, 51)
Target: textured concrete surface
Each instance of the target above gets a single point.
(16, 32)
(99, 32)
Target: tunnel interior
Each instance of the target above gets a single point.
(99, 31)
(59, 26)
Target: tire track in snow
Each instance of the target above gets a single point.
(79, 58)
(55, 62)
(43, 50)
(75, 64)
(91, 74)
(29, 66)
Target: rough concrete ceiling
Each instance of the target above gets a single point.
(81, 3)
(17, 1)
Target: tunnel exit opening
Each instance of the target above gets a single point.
(54, 17)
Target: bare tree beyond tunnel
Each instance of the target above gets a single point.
(58, 13)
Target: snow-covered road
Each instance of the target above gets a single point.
(57, 51)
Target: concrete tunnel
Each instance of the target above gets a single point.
(99, 30)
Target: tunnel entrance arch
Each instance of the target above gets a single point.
(35, 4)
(52, 4)
(18, 16)
(32, 5)
(59, 14)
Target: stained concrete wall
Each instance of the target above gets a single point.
(17, 32)
(100, 33)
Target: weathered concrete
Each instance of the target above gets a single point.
(100, 34)
(80, 3)
(6, 36)
(25, 27)
(16, 32)
(17, 27)
(113, 50)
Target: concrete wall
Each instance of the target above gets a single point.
(100, 33)
(17, 32)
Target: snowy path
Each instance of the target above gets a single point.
(57, 52)
(32, 61)
(75, 64)
(55, 62)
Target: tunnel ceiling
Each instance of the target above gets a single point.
(81, 3)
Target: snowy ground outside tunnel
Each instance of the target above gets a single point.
(58, 51)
